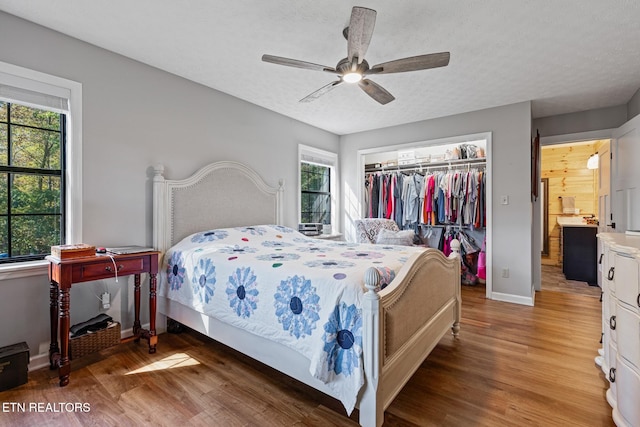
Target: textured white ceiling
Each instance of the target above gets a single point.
(565, 56)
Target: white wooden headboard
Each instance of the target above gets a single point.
(220, 195)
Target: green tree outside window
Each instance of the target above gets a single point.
(31, 181)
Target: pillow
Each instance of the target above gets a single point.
(402, 237)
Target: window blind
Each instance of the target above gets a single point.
(34, 94)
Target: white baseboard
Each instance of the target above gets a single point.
(38, 361)
(516, 299)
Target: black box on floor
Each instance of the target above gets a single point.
(13, 365)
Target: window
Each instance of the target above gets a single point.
(315, 182)
(318, 185)
(32, 142)
(40, 167)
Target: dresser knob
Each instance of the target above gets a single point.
(611, 273)
(612, 375)
(612, 322)
(600, 259)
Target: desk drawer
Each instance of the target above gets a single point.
(107, 268)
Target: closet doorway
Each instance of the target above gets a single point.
(462, 162)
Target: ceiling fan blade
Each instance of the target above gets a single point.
(376, 91)
(318, 93)
(414, 63)
(296, 63)
(361, 26)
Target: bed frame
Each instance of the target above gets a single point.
(401, 324)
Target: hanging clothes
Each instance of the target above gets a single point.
(451, 197)
(375, 196)
(440, 205)
(482, 261)
(397, 195)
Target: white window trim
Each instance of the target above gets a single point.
(328, 159)
(36, 81)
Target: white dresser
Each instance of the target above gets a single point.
(619, 358)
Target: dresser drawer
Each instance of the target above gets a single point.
(628, 327)
(627, 394)
(627, 278)
(107, 268)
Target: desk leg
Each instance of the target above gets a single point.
(153, 339)
(54, 349)
(136, 299)
(138, 332)
(65, 367)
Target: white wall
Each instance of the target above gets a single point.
(511, 159)
(134, 117)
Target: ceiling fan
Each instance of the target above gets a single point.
(354, 68)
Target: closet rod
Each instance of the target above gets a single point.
(450, 225)
(449, 164)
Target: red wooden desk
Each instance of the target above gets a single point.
(64, 273)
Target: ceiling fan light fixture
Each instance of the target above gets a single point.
(352, 77)
(354, 68)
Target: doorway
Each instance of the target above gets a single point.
(576, 195)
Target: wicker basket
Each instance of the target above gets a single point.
(94, 341)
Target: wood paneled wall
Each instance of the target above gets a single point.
(565, 166)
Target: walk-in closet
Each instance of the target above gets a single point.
(439, 190)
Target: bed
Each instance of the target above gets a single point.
(406, 299)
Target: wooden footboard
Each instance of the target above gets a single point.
(404, 322)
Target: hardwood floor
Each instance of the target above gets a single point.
(512, 365)
(553, 280)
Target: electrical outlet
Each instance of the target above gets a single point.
(106, 300)
(505, 272)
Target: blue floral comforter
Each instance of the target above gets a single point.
(302, 292)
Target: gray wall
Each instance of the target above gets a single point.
(588, 121)
(511, 164)
(134, 117)
(583, 121)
